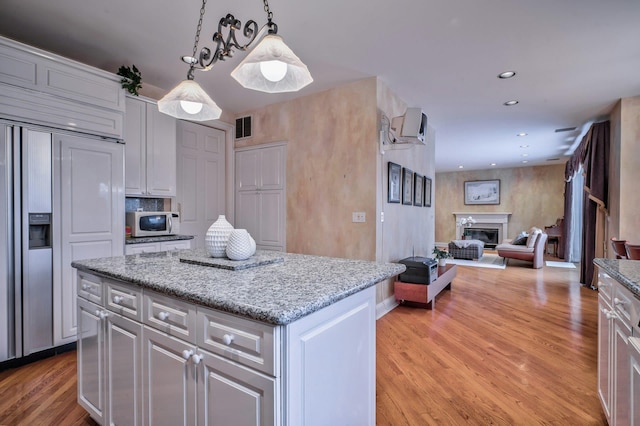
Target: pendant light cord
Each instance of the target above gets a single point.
(197, 40)
(273, 28)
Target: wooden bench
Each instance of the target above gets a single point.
(424, 295)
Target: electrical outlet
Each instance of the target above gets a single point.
(358, 217)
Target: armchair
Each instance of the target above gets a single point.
(533, 251)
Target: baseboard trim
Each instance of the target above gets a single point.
(386, 306)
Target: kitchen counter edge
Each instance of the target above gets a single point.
(626, 272)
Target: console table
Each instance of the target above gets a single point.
(424, 295)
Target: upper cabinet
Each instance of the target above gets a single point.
(42, 88)
(150, 150)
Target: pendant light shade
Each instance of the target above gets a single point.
(189, 102)
(272, 67)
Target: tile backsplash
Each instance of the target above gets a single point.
(132, 204)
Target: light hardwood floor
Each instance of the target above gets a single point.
(507, 347)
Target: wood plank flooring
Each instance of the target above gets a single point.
(505, 347)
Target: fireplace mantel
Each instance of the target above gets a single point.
(498, 220)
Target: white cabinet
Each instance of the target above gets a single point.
(634, 392)
(156, 247)
(42, 88)
(261, 196)
(617, 307)
(90, 222)
(109, 354)
(150, 161)
(202, 366)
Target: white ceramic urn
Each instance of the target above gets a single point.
(241, 245)
(217, 237)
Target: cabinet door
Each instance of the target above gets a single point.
(124, 374)
(90, 211)
(271, 219)
(634, 351)
(135, 135)
(605, 349)
(272, 167)
(248, 170)
(230, 394)
(91, 364)
(169, 380)
(161, 153)
(622, 403)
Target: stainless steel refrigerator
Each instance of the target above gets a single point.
(26, 241)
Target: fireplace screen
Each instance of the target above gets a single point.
(487, 235)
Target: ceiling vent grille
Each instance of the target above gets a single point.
(243, 127)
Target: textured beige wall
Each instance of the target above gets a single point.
(331, 167)
(624, 173)
(534, 196)
(406, 230)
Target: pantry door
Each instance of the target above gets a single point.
(201, 178)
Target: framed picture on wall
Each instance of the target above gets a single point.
(407, 186)
(394, 185)
(482, 192)
(418, 189)
(427, 192)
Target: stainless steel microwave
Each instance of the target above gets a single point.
(151, 224)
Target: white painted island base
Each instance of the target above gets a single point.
(147, 358)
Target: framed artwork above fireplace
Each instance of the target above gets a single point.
(482, 192)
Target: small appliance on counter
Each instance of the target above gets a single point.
(420, 270)
(153, 224)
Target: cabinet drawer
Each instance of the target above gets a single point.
(606, 285)
(625, 305)
(90, 287)
(172, 316)
(124, 299)
(247, 342)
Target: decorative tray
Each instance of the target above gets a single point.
(258, 259)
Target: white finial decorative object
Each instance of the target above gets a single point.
(241, 245)
(217, 237)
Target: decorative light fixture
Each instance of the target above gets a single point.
(506, 74)
(511, 103)
(271, 67)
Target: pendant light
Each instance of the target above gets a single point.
(188, 100)
(271, 67)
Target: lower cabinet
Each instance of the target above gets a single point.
(146, 358)
(634, 391)
(109, 365)
(617, 306)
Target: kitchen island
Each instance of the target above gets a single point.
(291, 341)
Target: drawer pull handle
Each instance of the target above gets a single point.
(186, 354)
(101, 314)
(85, 287)
(162, 316)
(619, 302)
(118, 299)
(227, 339)
(609, 314)
(196, 359)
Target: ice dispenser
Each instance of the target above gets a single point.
(39, 230)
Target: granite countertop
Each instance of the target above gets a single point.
(626, 272)
(140, 240)
(278, 293)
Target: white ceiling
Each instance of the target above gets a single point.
(574, 59)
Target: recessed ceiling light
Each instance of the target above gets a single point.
(511, 103)
(507, 74)
(524, 161)
(460, 167)
(525, 155)
(522, 134)
(492, 164)
(524, 146)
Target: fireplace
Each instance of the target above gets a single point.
(484, 220)
(489, 236)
